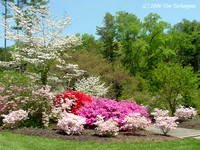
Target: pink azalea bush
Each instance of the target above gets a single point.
(2, 104)
(165, 124)
(160, 113)
(15, 118)
(34, 100)
(106, 128)
(70, 123)
(135, 122)
(185, 113)
(163, 121)
(108, 108)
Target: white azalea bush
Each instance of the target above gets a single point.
(185, 113)
(163, 121)
(106, 128)
(91, 86)
(136, 122)
(166, 124)
(71, 124)
(160, 113)
(14, 118)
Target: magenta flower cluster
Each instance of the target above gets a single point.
(108, 108)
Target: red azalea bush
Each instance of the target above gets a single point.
(108, 108)
(69, 101)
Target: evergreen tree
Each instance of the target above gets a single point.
(107, 34)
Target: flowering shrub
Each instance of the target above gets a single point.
(185, 113)
(2, 98)
(166, 123)
(108, 108)
(15, 118)
(135, 122)
(34, 100)
(69, 101)
(91, 86)
(70, 123)
(106, 128)
(160, 113)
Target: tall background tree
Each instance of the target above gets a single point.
(190, 54)
(155, 36)
(128, 27)
(6, 15)
(107, 37)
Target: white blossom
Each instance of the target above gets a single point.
(106, 128)
(70, 123)
(42, 39)
(91, 86)
(185, 113)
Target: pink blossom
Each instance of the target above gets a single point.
(185, 113)
(14, 117)
(166, 123)
(160, 113)
(136, 122)
(106, 128)
(108, 108)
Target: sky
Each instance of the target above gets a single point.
(87, 14)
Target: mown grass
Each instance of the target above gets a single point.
(9, 141)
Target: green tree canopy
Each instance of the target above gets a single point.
(169, 81)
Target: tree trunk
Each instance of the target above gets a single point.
(5, 32)
(18, 27)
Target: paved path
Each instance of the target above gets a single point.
(178, 132)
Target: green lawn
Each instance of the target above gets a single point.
(9, 141)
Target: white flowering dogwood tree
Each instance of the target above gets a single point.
(91, 86)
(42, 42)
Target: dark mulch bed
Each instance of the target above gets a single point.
(88, 135)
(189, 124)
